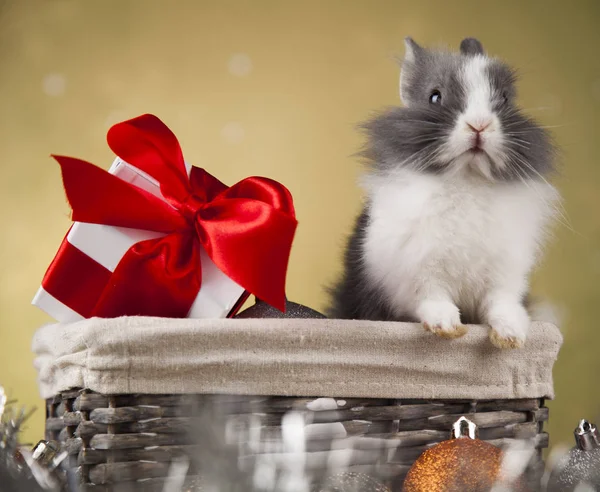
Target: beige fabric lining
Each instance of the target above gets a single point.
(296, 357)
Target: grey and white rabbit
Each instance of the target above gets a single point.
(457, 201)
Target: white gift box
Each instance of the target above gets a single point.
(218, 297)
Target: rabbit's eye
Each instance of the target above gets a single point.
(504, 98)
(435, 97)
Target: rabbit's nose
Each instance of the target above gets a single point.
(479, 126)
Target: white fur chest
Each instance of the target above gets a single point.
(462, 236)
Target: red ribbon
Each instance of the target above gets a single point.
(246, 229)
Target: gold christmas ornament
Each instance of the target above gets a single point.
(462, 464)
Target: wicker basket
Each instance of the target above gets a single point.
(358, 396)
(126, 442)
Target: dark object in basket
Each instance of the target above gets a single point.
(127, 442)
(292, 310)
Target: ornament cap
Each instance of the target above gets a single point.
(48, 453)
(463, 427)
(586, 436)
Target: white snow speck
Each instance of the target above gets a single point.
(233, 133)
(340, 458)
(326, 430)
(240, 65)
(292, 432)
(54, 84)
(584, 487)
(114, 117)
(265, 472)
(516, 458)
(322, 404)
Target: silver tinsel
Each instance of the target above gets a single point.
(21, 469)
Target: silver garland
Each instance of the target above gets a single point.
(23, 469)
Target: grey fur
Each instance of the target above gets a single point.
(410, 137)
(471, 46)
(353, 297)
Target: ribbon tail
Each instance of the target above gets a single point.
(157, 277)
(75, 279)
(254, 251)
(247, 230)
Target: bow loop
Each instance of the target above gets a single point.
(148, 144)
(204, 185)
(99, 197)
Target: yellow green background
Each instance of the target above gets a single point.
(276, 88)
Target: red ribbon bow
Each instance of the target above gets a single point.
(246, 229)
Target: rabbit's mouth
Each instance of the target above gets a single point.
(476, 151)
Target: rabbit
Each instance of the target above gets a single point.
(458, 205)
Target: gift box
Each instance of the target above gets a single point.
(154, 236)
(104, 246)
